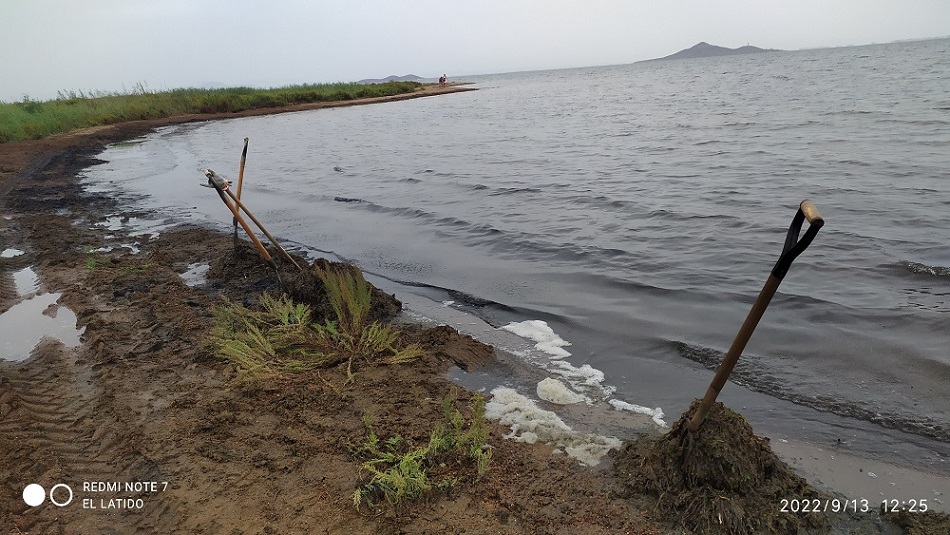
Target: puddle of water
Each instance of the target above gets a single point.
(28, 322)
(136, 226)
(196, 274)
(113, 223)
(10, 253)
(26, 281)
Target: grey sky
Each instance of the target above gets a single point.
(48, 45)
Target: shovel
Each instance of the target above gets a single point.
(793, 247)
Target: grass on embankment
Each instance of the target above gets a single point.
(32, 119)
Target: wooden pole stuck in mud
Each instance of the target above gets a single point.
(793, 247)
(240, 185)
(220, 186)
(242, 206)
(223, 187)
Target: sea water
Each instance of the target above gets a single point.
(630, 214)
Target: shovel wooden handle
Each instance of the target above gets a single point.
(810, 211)
(793, 247)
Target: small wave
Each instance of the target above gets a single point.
(924, 269)
(410, 180)
(510, 191)
(748, 374)
(348, 199)
(847, 112)
(916, 122)
(474, 301)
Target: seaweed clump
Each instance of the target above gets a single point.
(927, 523)
(723, 479)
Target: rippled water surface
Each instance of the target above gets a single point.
(638, 209)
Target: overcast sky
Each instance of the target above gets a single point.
(48, 45)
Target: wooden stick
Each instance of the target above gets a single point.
(221, 184)
(240, 183)
(738, 344)
(260, 225)
(241, 170)
(245, 226)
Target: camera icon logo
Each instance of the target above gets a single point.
(34, 495)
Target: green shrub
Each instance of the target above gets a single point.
(283, 337)
(397, 472)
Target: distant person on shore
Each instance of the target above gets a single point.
(442, 81)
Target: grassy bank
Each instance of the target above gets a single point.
(32, 119)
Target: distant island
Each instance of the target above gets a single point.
(706, 50)
(392, 78)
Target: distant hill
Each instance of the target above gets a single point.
(392, 78)
(706, 50)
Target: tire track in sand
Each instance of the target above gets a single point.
(60, 423)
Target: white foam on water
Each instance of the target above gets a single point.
(531, 424)
(10, 253)
(655, 414)
(132, 247)
(585, 378)
(25, 324)
(556, 392)
(196, 275)
(585, 381)
(547, 340)
(26, 281)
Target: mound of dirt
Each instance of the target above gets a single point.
(243, 275)
(928, 523)
(305, 287)
(722, 480)
(449, 344)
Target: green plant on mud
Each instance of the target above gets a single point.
(397, 472)
(266, 342)
(282, 336)
(93, 257)
(350, 297)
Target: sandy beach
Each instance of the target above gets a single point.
(141, 399)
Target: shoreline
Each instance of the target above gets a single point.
(141, 400)
(137, 368)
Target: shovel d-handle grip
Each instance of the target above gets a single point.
(794, 245)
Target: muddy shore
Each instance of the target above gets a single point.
(141, 399)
